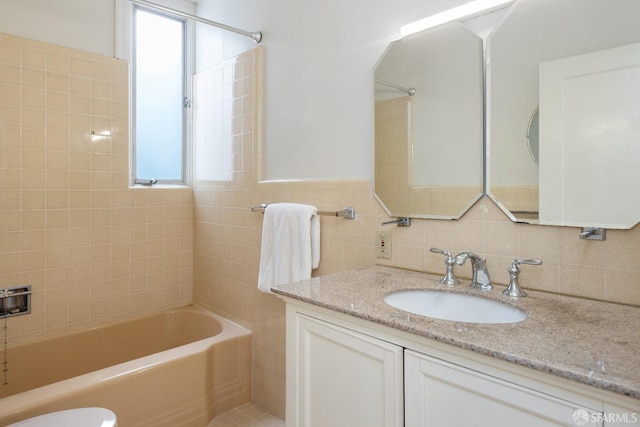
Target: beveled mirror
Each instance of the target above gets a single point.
(578, 62)
(429, 124)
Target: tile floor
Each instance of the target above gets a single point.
(247, 415)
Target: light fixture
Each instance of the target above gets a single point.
(467, 10)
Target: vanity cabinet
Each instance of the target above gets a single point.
(342, 378)
(439, 393)
(346, 371)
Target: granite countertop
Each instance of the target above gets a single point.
(593, 342)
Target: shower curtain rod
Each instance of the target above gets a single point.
(255, 35)
(411, 91)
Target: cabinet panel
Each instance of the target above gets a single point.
(442, 394)
(618, 416)
(345, 378)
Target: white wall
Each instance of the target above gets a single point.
(318, 61)
(87, 25)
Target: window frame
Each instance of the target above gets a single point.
(125, 49)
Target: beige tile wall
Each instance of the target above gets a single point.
(228, 237)
(92, 249)
(392, 138)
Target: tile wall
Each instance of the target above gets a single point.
(393, 131)
(228, 237)
(92, 249)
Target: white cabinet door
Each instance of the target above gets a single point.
(342, 378)
(618, 416)
(441, 394)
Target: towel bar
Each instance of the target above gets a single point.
(347, 212)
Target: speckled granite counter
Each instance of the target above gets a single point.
(592, 342)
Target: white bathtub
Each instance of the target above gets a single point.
(175, 368)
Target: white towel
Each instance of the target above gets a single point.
(290, 244)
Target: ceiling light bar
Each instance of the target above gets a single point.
(467, 10)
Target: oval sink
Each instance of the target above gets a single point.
(455, 307)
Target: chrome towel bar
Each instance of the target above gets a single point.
(347, 212)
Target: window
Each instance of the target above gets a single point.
(159, 98)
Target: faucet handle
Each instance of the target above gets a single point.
(449, 279)
(518, 261)
(440, 251)
(514, 290)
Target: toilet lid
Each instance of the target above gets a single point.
(80, 417)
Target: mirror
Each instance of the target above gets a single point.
(589, 154)
(429, 124)
(533, 136)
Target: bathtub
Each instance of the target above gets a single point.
(179, 367)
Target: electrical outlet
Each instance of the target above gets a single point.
(384, 244)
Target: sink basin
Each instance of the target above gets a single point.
(455, 307)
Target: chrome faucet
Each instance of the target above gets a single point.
(479, 274)
(449, 279)
(514, 290)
